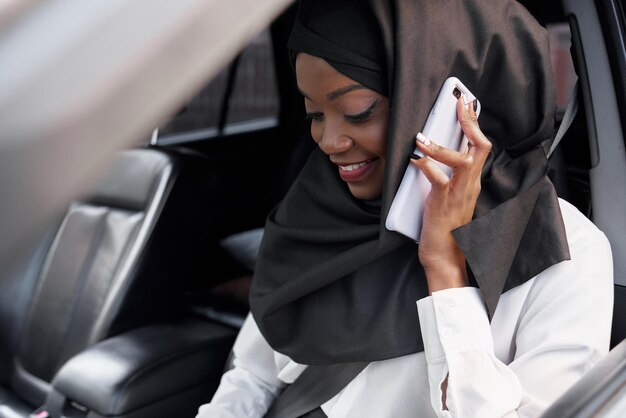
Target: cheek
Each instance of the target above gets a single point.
(377, 139)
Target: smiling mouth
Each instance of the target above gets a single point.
(357, 171)
(353, 167)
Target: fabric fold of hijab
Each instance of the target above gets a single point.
(332, 284)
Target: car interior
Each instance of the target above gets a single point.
(130, 303)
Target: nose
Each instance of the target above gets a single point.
(334, 141)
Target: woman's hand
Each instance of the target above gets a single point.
(451, 201)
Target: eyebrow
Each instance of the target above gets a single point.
(335, 94)
(343, 90)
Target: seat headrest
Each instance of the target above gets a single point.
(132, 179)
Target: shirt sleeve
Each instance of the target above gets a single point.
(562, 330)
(249, 388)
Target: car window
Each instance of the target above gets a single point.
(251, 104)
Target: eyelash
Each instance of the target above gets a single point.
(316, 116)
(363, 116)
(356, 119)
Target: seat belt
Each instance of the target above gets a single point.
(314, 387)
(566, 122)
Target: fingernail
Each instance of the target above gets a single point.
(421, 138)
(415, 156)
(475, 104)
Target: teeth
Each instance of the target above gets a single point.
(352, 166)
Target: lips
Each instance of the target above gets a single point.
(353, 172)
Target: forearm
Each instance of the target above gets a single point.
(553, 324)
(251, 386)
(240, 394)
(464, 373)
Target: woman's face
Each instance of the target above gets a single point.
(348, 122)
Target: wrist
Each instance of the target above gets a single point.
(446, 276)
(443, 262)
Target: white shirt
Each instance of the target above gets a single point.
(545, 334)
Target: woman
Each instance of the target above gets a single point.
(507, 278)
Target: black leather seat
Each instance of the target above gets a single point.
(115, 262)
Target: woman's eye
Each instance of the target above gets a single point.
(363, 116)
(316, 116)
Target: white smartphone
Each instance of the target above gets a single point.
(443, 127)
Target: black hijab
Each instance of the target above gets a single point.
(332, 284)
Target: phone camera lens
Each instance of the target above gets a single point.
(457, 93)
